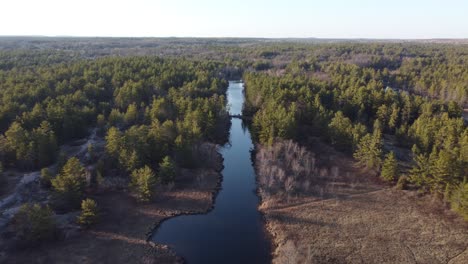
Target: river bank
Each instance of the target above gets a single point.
(123, 231)
(341, 214)
(233, 232)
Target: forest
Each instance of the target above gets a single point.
(172, 103)
(150, 105)
(149, 115)
(398, 115)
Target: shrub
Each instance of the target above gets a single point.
(143, 183)
(33, 224)
(89, 213)
(285, 167)
(402, 182)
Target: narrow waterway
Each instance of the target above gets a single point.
(233, 231)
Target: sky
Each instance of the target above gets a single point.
(414, 19)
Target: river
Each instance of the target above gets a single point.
(233, 231)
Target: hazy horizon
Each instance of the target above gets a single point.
(220, 37)
(334, 19)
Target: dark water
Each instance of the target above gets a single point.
(233, 231)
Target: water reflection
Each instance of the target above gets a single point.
(233, 231)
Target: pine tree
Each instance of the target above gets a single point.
(369, 151)
(20, 144)
(389, 167)
(70, 184)
(167, 170)
(89, 213)
(115, 118)
(45, 144)
(393, 121)
(459, 199)
(420, 174)
(34, 223)
(341, 131)
(445, 170)
(143, 182)
(383, 115)
(113, 141)
(131, 116)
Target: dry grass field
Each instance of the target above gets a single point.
(345, 215)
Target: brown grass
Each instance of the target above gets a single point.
(349, 217)
(121, 236)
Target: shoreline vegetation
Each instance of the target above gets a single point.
(338, 213)
(146, 155)
(125, 228)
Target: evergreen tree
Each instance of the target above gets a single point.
(394, 117)
(131, 116)
(390, 168)
(445, 169)
(115, 117)
(420, 174)
(383, 115)
(33, 223)
(70, 184)
(89, 213)
(167, 170)
(459, 199)
(341, 131)
(275, 121)
(46, 144)
(113, 141)
(369, 151)
(143, 182)
(19, 143)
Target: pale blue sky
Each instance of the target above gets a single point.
(237, 18)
